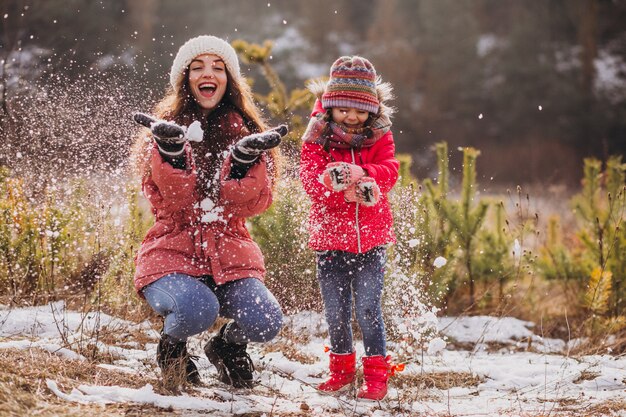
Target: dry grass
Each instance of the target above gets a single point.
(291, 352)
(601, 344)
(527, 297)
(547, 303)
(134, 310)
(287, 343)
(439, 380)
(412, 388)
(491, 347)
(586, 376)
(301, 338)
(23, 390)
(574, 408)
(606, 408)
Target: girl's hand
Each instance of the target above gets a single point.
(340, 175)
(365, 192)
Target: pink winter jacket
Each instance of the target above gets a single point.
(335, 224)
(191, 239)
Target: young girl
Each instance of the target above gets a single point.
(198, 260)
(347, 168)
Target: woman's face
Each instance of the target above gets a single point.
(350, 117)
(207, 81)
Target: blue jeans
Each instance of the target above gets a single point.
(191, 305)
(343, 275)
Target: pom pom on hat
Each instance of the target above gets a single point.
(204, 44)
(352, 84)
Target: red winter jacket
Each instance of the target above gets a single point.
(335, 224)
(180, 241)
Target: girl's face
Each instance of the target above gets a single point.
(208, 81)
(350, 117)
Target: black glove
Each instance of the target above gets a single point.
(247, 150)
(169, 136)
(250, 147)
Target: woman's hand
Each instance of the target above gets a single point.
(249, 147)
(170, 136)
(247, 150)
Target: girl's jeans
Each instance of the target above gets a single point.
(191, 305)
(342, 275)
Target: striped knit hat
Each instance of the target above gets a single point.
(352, 84)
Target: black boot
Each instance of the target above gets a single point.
(175, 362)
(234, 366)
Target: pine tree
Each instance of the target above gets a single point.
(601, 209)
(466, 217)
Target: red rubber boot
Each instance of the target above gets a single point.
(342, 370)
(376, 371)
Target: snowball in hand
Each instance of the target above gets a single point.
(194, 132)
(170, 130)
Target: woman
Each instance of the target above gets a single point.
(198, 260)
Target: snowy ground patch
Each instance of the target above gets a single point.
(479, 331)
(508, 382)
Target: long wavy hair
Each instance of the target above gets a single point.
(179, 105)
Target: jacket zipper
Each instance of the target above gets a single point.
(358, 232)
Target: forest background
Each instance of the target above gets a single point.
(526, 220)
(536, 85)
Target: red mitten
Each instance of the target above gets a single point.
(349, 194)
(368, 191)
(365, 192)
(340, 175)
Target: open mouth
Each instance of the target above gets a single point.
(207, 89)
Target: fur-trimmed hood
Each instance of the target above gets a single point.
(384, 91)
(327, 133)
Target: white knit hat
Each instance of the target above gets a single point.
(204, 45)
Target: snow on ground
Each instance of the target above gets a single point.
(482, 330)
(510, 382)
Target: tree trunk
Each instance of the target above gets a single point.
(587, 38)
(11, 26)
(142, 17)
(470, 273)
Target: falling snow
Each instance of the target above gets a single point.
(517, 250)
(440, 261)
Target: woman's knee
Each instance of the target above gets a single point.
(200, 311)
(191, 306)
(198, 320)
(253, 307)
(265, 324)
(269, 329)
